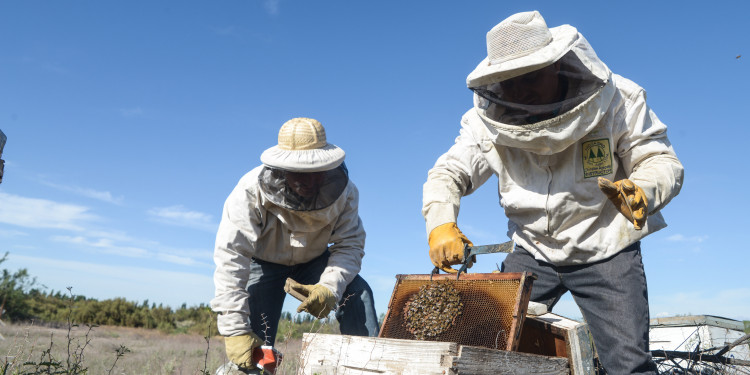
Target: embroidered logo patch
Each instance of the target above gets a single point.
(597, 158)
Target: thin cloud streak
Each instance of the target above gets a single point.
(109, 246)
(12, 233)
(180, 216)
(272, 6)
(105, 245)
(177, 259)
(680, 238)
(120, 237)
(103, 196)
(42, 213)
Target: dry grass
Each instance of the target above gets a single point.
(151, 352)
(291, 350)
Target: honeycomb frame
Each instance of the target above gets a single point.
(492, 316)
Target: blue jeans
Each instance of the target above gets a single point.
(613, 299)
(356, 313)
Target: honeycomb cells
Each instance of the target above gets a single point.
(478, 310)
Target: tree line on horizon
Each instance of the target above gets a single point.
(22, 301)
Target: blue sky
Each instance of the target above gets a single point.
(130, 122)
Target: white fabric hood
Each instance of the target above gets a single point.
(558, 133)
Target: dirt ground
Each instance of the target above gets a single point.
(148, 351)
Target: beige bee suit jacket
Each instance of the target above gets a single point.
(253, 227)
(547, 173)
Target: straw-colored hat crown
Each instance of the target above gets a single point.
(303, 148)
(302, 134)
(518, 35)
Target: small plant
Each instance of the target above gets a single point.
(297, 325)
(48, 364)
(119, 352)
(208, 348)
(266, 327)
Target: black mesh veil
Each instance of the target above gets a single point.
(539, 95)
(303, 191)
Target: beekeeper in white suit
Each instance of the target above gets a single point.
(294, 216)
(584, 166)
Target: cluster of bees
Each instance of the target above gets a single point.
(432, 310)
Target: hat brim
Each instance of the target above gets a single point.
(563, 38)
(315, 160)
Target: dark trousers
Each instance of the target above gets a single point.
(613, 299)
(356, 311)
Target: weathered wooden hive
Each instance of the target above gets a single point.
(485, 330)
(491, 316)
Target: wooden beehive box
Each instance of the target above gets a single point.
(326, 354)
(557, 336)
(493, 335)
(550, 344)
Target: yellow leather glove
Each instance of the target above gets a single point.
(240, 348)
(629, 199)
(447, 246)
(319, 300)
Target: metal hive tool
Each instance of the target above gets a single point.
(479, 309)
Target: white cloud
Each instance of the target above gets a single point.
(177, 259)
(272, 6)
(113, 235)
(681, 238)
(45, 214)
(180, 216)
(105, 245)
(151, 251)
(12, 233)
(103, 196)
(158, 248)
(42, 213)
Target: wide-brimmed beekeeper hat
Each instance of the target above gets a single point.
(303, 148)
(520, 44)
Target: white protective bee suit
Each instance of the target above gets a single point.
(556, 126)
(268, 232)
(547, 171)
(253, 227)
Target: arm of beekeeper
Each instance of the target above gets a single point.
(235, 243)
(347, 249)
(647, 155)
(457, 173)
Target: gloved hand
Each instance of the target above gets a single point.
(447, 246)
(629, 199)
(319, 300)
(240, 349)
